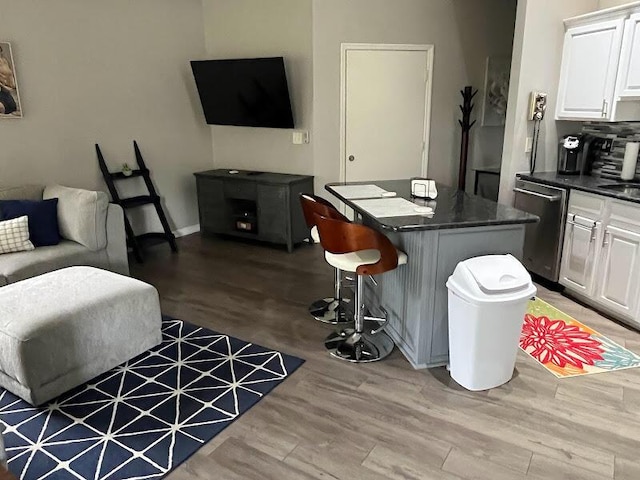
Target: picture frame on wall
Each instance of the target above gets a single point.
(10, 105)
(496, 91)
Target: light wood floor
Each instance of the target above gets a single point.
(332, 420)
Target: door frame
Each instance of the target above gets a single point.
(344, 48)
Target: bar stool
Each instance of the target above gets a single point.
(364, 251)
(330, 310)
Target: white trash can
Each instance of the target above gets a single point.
(488, 299)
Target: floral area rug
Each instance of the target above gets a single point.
(568, 348)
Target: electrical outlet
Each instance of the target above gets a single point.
(528, 145)
(300, 137)
(607, 145)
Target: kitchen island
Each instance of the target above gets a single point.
(414, 295)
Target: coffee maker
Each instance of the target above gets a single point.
(578, 152)
(572, 151)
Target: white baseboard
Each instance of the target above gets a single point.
(183, 232)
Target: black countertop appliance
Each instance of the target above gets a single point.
(571, 154)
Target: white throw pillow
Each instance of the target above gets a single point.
(14, 235)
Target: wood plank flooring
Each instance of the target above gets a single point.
(332, 420)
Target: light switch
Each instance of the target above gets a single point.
(300, 137)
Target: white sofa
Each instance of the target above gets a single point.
(92, 233)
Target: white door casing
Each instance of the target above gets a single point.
(385, 111)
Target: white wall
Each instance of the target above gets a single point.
(537, 56)
(106, 72)
(259, 28)
(602, 4)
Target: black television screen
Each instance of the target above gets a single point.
(250, 92)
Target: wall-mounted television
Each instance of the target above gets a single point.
(250, 92)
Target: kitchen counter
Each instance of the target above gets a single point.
(584, 183)
(452, 209)
(415, 295)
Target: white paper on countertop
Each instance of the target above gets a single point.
(389, 207)
(359, 191)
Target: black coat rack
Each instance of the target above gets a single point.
(466, 108)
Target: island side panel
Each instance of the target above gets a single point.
(415, 295)
(408, 294)
(455, 246)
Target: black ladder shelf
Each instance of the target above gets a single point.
(134, 241)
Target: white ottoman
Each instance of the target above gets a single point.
(63, 328)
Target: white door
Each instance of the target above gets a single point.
(577, 270)
(385, 111)
(589, 69)
(620, 271)
(629, 81)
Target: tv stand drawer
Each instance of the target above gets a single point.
(240, 190)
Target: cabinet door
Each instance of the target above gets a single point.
(579, 255)
(629, 73)
(589, 69)
(213, 209)
(273, 213)
(619, 272)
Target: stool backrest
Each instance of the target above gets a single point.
(313, 205)
(338, 236)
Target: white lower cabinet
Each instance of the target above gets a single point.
(578, 259)
(601, 255)
(619, 272)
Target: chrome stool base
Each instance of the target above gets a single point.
(351, 346)
(331, 311)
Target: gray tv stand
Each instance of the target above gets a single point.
(261, 206)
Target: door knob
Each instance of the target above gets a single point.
(351, 158)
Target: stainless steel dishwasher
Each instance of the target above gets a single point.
(543, 240)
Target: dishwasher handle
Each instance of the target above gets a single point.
(549, 198)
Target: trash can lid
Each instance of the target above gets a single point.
(498, 273)
(491, 278)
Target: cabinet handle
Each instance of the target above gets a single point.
(605, 239)
(605, 108)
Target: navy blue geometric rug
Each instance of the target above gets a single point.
(147, 416)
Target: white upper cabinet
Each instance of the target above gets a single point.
(600, 73)
(589, 69)
(629, 78)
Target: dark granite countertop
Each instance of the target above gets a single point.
(584, 183)
(254, 176)
(453, 209)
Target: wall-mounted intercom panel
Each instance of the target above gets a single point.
(537, 105)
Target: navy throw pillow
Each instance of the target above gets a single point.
(43, 218)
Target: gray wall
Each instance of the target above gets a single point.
(463, 34)
(106, 72)
(484, 36)
(259, 28)
(384, 21)
(537, 55)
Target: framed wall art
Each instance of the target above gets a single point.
(10, 106)
(496, 91)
